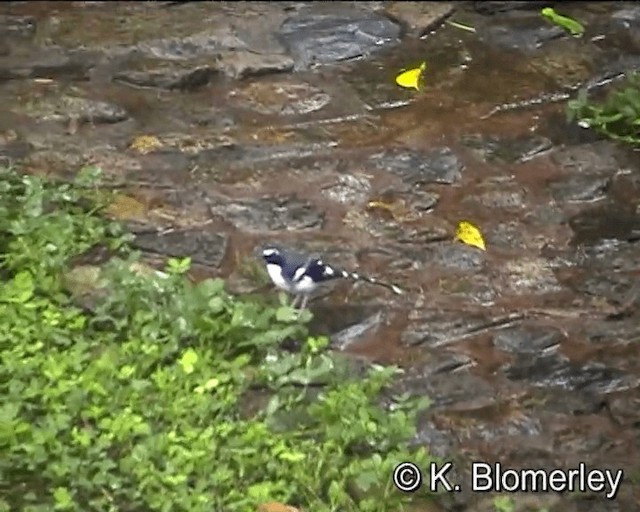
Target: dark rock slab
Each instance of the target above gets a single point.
(599, 158)
(576, 189)
(441, 165)
(528, 339)
(465, 392)
(498, 7)
(17, 26)
(607, 222)
(510, 150)
(74, 108)
(317, 37)
(626, 22)
(556, 370)
(268, 213)
(521, 32)
(168, 75)
(440, 328)
(203, 247)
(48, 63)
(420, 17)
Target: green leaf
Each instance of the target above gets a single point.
(572, 26)
(63, 499)
(188, 360)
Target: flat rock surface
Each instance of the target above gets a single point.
(224, 126)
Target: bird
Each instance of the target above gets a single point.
(300, 274)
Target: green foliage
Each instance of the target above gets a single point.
(618, 117)
(168, 395)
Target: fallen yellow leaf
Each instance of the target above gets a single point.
(468, 234)
(410, 79)
(145, 143)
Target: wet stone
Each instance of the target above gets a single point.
(320, 38)
(608, 222)
(420, 17)
(17, 26)
(48, 64)
(349, 189)
(555, 370)
(487, 7)
(627, 21)
(465, 392)
(600, 158)
(203, 247)
(578, 189)
(530, 275)
(522, 31)
(269, 214)
(168, 75)
(442, 362)
(283, 98)
(501, 199)
(438, 166)
(67, 108)
(509, 150)
(439, 328)
(350, 336)
(528, 339)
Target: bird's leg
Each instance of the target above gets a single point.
(305, 298)
(294, 302)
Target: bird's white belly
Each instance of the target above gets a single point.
(304, 285)
(275, 273)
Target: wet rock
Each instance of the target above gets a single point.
(578, 189)
(17, 26)
(439, 328)
(239, 64)
(597, 159)
(349, 189)
(351, 335)
(50, 64)
(608, 222)
(437, 166)
(442, 362)
(203, 247)
(269, 214)
(501, 199)
(507, 235)
(530, 275)
(168, 75)
(556, 370)
(528, 339)
(73, 108)
(282, 98)
(465, 392)
(420, 17)
(425, 201)
(509, 150)
(627, 21)
(522, 32)
(487, 7)
(337, 35)
(477, 289)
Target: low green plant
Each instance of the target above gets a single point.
(617, 117)
(168, 395)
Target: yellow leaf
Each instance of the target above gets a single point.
(145, 144)
(469, 234)
(411, 78)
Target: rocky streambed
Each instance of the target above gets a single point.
(226, 125)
